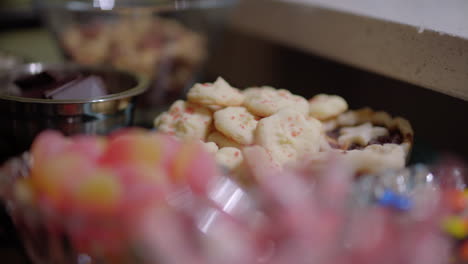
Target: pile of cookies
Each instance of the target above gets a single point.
(144, 44)
(288, 126)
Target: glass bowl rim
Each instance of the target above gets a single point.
(141, 86)
(129, 5)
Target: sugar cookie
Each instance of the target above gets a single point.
(217, 93)
(266, 101)
(185, 120)
(222, 141)
(210, 147)
(288, 135)
(323, 106)
(236, 123)
(229, 157)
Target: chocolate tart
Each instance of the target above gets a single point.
(370, 140)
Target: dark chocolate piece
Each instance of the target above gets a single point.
(394, 137)
(35, 86)
(33, 81)
(81, 88)
(61, 86)
(355, 146)
(335, 133)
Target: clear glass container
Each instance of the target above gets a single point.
(167, 40)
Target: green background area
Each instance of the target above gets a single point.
(15, 3)
(32, 44)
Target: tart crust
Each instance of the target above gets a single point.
(358, 117)
(375, 156)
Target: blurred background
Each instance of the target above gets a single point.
(409, 59)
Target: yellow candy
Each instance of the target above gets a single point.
(455, 226)
(149, 174)
(23, 191)
(101, 189)
(134, 149)
(465, 193)
(147, 149)
(184, 157)
(52, 177)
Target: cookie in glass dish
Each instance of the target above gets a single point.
(371, 140)
(274, 119)
(326, 106)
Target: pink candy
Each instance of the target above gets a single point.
(311, 216)
(139, 189)
(96, 189)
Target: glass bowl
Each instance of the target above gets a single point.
(54, 234)
(167, 40)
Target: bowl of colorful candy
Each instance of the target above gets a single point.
(88, 197)
(73, 99)
(144, 197)
(166, 40)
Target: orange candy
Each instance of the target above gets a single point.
(55, 176)
(463, 251)
(93, 147)
(133, 148)
(183, 159)
(100, 187)
(192, 165)
(128, 170)
(100, 191)
(457, 200)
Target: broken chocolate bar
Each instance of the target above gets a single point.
(60, 86)
(81, 88)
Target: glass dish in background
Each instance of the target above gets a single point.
(165, 40)
(22, 117)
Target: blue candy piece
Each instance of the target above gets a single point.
(391, 199)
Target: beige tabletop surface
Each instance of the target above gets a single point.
(422, 42)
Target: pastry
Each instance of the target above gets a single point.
(222, 141)
(287, 136)
(370, 141)
(218, 93)
(290, 128)
(236, 123)
(324, 106)
(230, 158)
(185, 120)
(266, 101)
